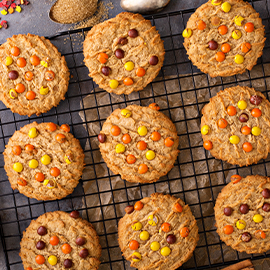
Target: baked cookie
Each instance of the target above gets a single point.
(57, 240)
(33, 75)
(158, 233)
(235, 126)
(139, 143)
(242, 213)
(123, 54)
(44, 161)
(224, 38)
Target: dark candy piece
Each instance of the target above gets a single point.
(40, 245)
(84, 253)
(119, 53)
(133, 33)
(122, 41)
(171, 239)
(213, 45)
(75, 214)
(227, 211)
(153, 60)
(244, 208)
(243, 117)
(266, 193)
(102, 138)
(42, 230)
(80, 241)
(68, 263)
(129, 209)
(106, 70)
(13, 74)
(246, 237)
(255, 100)
(266, 207)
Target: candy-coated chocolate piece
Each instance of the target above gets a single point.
(138, 206)
(80, 241)
(129, 209)
(169, 141)
(66, 248)
(165, 251)
(13, 94)
(54, 240)
(61, 138)
(44, 90)
(126, 113)
(150, 155)
(215, 21)
(244, 208)
(245, 47)
(236, 178)
(119, 53)
(15, 51)
(234, 139)
(216, 2)
(187, 33)
(42, 230)
(238, 20)
(239, 59)
(266, 193)
(68, 263)
(155, 246)
(266, 207)
(153, 60)
(133, 33)
(13, 74)
(21, 182)
(33, 163)
(256, 100)
(228, 229)
(40, 245)
(120, 148)
(205, 129)
(226, 7)
(143, 168)
(75, 214)
(246, 237)
(184, 232)
(128, 81)
(34, 60)
(171, 239)
(142, 130)
(103, 58)
(113, 84)
(50, 184)
(144, 235)
(129, 66)
(256, 131)
(259, 234)
(153, 220)
(243, 117)
(257, 218)
(9, 61)
(137, 226)
(155, 136)
(52, 260)
(249, 27)
(207, 145)
(33, 132)
(247, 147)
(236, 34)
(40, 259)
(133, 245)
(256, 112)
(83, 253)
(212, 45)
(49, 75)
(140, 72)
(102, 138)
(46, 160)
(241, 224)
(136, 257)
(106, 70)
(227, 211)
(166, 227)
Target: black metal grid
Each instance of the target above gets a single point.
(16, 211)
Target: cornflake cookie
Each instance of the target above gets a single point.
(44, 161)
(224, 38)
(139, 143)
(123, 54)
(158, 233)
(235, 126)
(242, 213)
(33, 75)
(57, 240)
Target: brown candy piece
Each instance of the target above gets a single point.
(215, 21)
(42, 230)
(246, 237)
(133, 33)
(122, 41)
(40, 245)
(153, 60)
(68, 263)
(129, 209)
(84, 253)
(80, 241)
(75, 214)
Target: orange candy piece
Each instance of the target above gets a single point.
(115, 130)
(21, 182)
(231, 110)
(140, 72)
(249, 27)
(247, 147)
(155, 136)
(66, 248)
(21, 62)
(34, 60)
(184, 232)
(236, 178)
(207, 145)
(65, 127)
(126, 138)
(40, 259)
(30, 95)
(128, 81)
(131, 159)
(103, 58)
(29, 147)
(228, 229)
(141, 145)
(61, 138)
(169, 141)
(220, 56)
(54, 171)
(29, 76)
(54, 240)
(260, 234)
(138, 206)
(51, 127)
(154, 106)
(166, 227)
(222, 123)
(15, 51)
(256, 112)
(16, 150)
(225, 47)
(29, 268)
(223, 29)
(49, 75)
(133, 245)
(201, 25)
(143, 168)
(19, 88)
(245, 47)
(178, 208)
(245, 130)
(40, 177)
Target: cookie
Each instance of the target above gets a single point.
(235, 126)
(33, 75)
(242, 213)
(157, 233)
(44, 161)
(139, 143)
(224, 38)
(123, 54)
(57, 240)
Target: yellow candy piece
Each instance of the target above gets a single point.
(13, 94)
(136, 257)
(52, 260)
(44, 90)
(256, 131)
(241, 224)
(242, 104)
(43, 63)
(152, 220)
(120, 148)
(234, 139)
(239, 59)
(236, 34)
(49, 183)
(3, 12)
(9, 61)
(126, 113)
(129, 66)
(136, 226)
(155, 246)
(114, 84)
(226, 7)
(187, 33)
(46, 160)
(144, 235)
(17, 167)
(142, 130)
(0, 26)
(166, 251)
(33, 163)
(257, 218)
(150, 155)
(205, 129)
(33, 132)
(67, 160)
(216, 2)
(238, 20)
(18, 9)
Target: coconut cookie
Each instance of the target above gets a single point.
(158, 233)
(123, 54)
(235, 126)
(44, 161)
(33, 75)
(139, 143)
(57, 240)
(242, 213)
(224, 38)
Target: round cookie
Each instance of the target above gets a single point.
(123, 54)
(139, 143)
(242, 213)
(57, 240)
(33, 75)
(44, 161)
(224, 38)
(235, 126)
(158, 233)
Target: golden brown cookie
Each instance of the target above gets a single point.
(139, 143)
(33, 75)
(44, 161)
(242, 213)
(224, 38)
(158, 233)
(235, 126)
(123, 54)
(57, 240)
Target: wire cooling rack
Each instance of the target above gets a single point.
(16, 210)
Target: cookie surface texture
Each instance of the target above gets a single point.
(123, 54)
(235, 126)
(224, 38)
(33, 75)
(161, 234)
(43, 161)
(136, 144)
(242, 214)
(55, 240)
